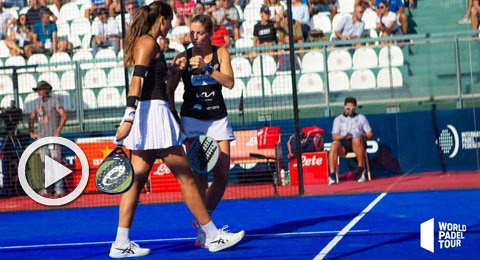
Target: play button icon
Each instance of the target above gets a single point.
(53, 170)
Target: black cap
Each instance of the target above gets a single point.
(42, 85)
(102, 11)
(265, 9)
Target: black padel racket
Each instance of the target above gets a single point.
(203, 154)
(115, 173)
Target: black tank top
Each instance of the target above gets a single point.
(203, 97)
(154, 86)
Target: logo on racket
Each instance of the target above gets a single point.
(115, 174)
(203, 154)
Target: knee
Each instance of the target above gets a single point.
(334, 9)
(186, 182)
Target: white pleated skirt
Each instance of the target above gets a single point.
(218, 129)
(154, 127)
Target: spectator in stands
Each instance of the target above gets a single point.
(350, 26)
(131, 7)
(276, 10)
(220, 36)
(265, 32)
(14, 3)
(115, 6)
(387, 21)
(300, 13)
(349, 134)
(6, 19)
(395, 6)
(20, 39)
(200, 9)
(58, 3)
(475, 14)
(366, 4)
(317, 6)
(227, 15)
(51, 120)
(209, 5)
(92, 12)
(33, 14)
(241, 3)
(282, 31)
(184, 10)
(105, 32)
(45, 36)
(164, 45)
(467, 18)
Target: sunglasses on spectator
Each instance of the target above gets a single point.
(381, 7)
(360, 11)
(132, 8)
(351, 108)
(199, 8)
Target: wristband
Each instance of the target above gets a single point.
(175, 115)
(132, 101)
(208, 69)
(129, 115)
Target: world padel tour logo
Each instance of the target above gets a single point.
(450, 235)
(448, 141)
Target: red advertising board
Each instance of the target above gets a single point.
(315, 168)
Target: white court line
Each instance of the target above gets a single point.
(169, 239)
(347, 228)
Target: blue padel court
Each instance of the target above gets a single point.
(367, 226)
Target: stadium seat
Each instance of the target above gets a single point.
(255, 88)
(60, 57)
(346, 6)
(6, 84)
(362, 79)
(118, 17)
(30, 103)
(322, 22)
(177, 46)
(178, 32)
(65, 98)
(310, 83)
(105, 54)
(15, 61)
(54, 9)
(336, 20)
(95, 78)
(365, 58)
(69, 12)
(339, 60)
(312, 62)
(68, 80)
(4, 50)
(251, 13)
(80, 26)
(338, 81)
(246, 30)
(240, 12)
(37, 59)
(75, 40)
(244, 43)
(26, 82)
(109, 97)
(385, 81)
(6, 101)
(370, 19)
(52, 78)
(1, 65)
(116, 77)
(267, 67)
(86, 42)
(395, 57)
(236, 91)
(63, 28)
(282, 85)
(84, 55)
(89, 99)
(241, 67)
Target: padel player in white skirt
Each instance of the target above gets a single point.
(203, 109)
(149, 129)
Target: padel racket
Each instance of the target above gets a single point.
(115, 173)
(203, 154)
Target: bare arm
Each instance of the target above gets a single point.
(63, 120)
(172, 83)
(31, 124)
(225, 75)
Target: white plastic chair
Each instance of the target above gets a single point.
(8, 99)
(89, 99)
(179, 31)
(282, 85)
(6, 84)
(312, 62)
(365, 58)
(26, 82)
(60, 57)
(95, 78)
(52, 78)
(109, 97)
(4, 50)
(322, 22)
(15, 61)
(246, 29)
(236, 91)
(30, 103)
(370, 19)
(268, 65)
(310, 83)
(65, 98)
(241, 67)
(80, 26)
(69, 12)
(84, 55)
(244, 43)
(116, 77)
(338, 81)
(68, 80)
(63, 28)
(385, 81)
(339, 60)
(251, 12)
(336, 21)
(346, 6)
(86, 40)
(105, 54)
(177, 46)
(362, 79)
(38, 59)
(255, 87)
(395, 58)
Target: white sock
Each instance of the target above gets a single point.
(210, 229)
(122, 236)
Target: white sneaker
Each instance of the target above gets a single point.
(362, 176)
(331, 180)
(201, 240)
(224, 239)
(131, 249)
(464, 20)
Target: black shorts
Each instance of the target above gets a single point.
(347, 145)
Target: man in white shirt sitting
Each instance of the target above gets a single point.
(105, 33)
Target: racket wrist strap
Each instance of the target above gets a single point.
(129, 115)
